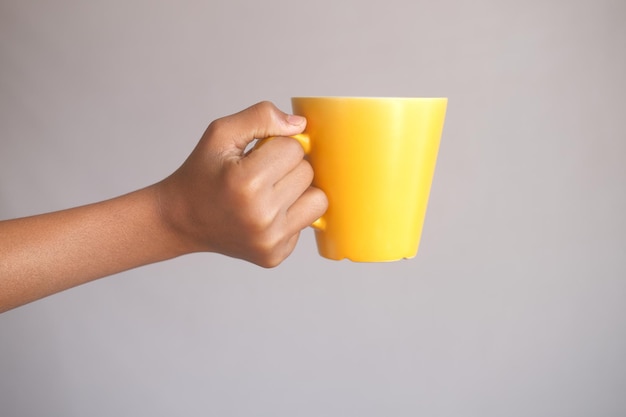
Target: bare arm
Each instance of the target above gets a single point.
(44, 254)
(249, 206)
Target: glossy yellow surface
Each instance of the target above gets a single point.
(374, 158)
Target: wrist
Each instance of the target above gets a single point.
(173, 218)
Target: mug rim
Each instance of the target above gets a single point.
(381, 98)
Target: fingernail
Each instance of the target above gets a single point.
(295, 120)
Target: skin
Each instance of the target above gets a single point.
(250, 206)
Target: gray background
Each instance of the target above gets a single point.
(515, 305)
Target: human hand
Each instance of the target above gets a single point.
(251, 205)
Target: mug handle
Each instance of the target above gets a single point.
(302, 138)
(305, 142)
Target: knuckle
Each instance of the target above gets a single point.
(274, 245)
(272, 262)
(265, 249)
(287, 149)
(266, 110)
(251, 212)
(295, 148)
(259, 222)
(249, 190)
(216, 126)
(270, 256)
(265, 107)
(318, 200)
(244, 188)
(307, 171)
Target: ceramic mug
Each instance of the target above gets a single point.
(375, 159)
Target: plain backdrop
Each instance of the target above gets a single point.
(515, 304)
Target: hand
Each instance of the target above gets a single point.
(245, 205)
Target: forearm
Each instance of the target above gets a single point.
(48, 253)
(223, 199)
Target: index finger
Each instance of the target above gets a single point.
(276, 158)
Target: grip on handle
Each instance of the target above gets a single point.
(302, 138)
(305, 142)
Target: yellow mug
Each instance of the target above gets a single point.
(375, 159)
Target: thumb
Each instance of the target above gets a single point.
(259, 121)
